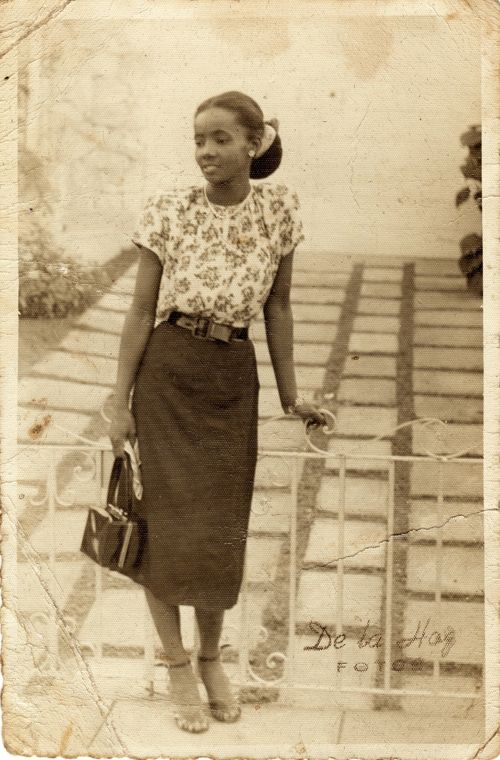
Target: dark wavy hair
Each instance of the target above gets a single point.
(251, 117)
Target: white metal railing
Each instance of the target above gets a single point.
(89, 475)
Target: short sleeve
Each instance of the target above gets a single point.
(154, 226)
(291, 229)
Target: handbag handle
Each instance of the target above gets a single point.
(114, 482)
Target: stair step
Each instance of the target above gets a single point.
(92, 342)
(269, 403)
(304, 353)
(364, 390)
(286, 435)
(119, 300)
(373, 343)
(315, 313)
(439, 267)
(433, 317)
(362, 496)
(448, 383)
(308, 377)
(359, 448)
(82, 367)
(270, 512)
(366, 366)
(102, 320)
(317, 596)
(462, 569)
(448, 336)
(460, 302)
(61, 394)
(461, 521)
(381, 290)
(276, 472)
(451, 438)
(373, 273)
(454, 358)
(303, 332)
(376, 324)
(449, 409)
(322, 278)
(262, 558)
(364, 543)
(317, 295)
(461, 479)
(367, 421)
(430, 284)
(384, 306)
(464, 644)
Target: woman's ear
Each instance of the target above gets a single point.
(255, 143)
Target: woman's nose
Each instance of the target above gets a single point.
(208, 149)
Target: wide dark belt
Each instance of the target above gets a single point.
(206, 328)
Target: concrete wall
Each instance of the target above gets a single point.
(371, 111)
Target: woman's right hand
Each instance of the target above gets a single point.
(122, 428)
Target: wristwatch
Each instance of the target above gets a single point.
(292, 408)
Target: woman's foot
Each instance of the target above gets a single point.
(223, 704)
(189, 713)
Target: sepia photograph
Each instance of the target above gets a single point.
(247, 491)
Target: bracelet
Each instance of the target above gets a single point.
(292, 408)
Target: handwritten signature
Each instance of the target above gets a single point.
(374, 639)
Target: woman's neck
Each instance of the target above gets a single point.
(229, 193)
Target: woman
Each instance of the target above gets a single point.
(211, 257)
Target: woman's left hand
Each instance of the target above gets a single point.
(311, 413)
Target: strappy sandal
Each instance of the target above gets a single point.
(226, 712)
(189, 716)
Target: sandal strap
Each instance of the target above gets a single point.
(178, 664)
(208, 659)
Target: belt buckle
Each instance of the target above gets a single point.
(218, 331)
(200, 327)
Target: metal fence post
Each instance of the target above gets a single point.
(292, 592)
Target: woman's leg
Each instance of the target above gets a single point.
(223, 704)
(210, 624)
(168, 624)
(190, 715)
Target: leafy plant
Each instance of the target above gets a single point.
(471, 260)
(51, 284)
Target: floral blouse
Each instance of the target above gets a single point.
(219, 261)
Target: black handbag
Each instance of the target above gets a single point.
(114, 535)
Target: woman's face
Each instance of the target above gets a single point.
(222, 145)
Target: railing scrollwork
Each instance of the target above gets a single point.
(83, 467)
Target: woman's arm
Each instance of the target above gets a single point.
(279, 332)
(139, 324)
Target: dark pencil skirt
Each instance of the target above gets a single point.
(196, 410)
